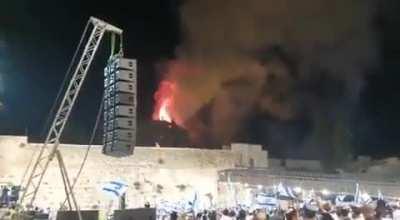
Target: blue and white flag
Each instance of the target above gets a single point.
(193, 203)
(380, 195)
(115, 189)
(285, 191)
(266, 200)
(365, 198)
(345, 200)
(357, 193)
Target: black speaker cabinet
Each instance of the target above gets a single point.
(135, 214)
(73, 215)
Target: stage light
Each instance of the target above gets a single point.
(259, 186)
(325, 192)
(297, 189)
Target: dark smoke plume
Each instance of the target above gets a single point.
(2, 72)
(284, 61)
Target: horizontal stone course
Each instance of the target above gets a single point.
(148, 170)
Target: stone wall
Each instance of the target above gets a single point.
(295, 164)
(308, 165)
(306, 180)
(152, 173)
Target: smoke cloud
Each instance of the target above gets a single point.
(2, 48)
(1, 92)
(282, 60)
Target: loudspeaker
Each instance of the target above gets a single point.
(135, 214)
(123, 63)
(126, 87)
(119, 129)
(125, 111)
(125, 99)
(73, 215)
(125, 75)
(124, 123)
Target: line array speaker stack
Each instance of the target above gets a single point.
(120, 88)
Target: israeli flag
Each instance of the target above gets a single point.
(285, 191)
(362, 197)
(168, 207)
(365, 198)
(380, 195)
(266, 200)
(196, 203)
(357, 193)
(115, 189)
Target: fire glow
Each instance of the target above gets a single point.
(164, 114)
(164, 101)
(170, 93)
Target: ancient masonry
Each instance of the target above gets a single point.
(152, 173)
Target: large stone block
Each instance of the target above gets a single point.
(152, 173)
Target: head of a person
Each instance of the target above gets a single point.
(326, 207)
(356, 210)
(380, 209)
(292, 214)
(343, 211)
(326, 216)
(310, 210)
(242, 213)
(232, 213)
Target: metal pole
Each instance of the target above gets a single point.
(65, 187)
(70, 193)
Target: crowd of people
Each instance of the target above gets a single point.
(312, 210)
(282, 202)
(8, 195)
(278, 205)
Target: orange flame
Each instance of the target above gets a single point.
(168, 92)
(164, 101)
(164, 114)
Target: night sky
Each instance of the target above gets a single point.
(38, 38)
